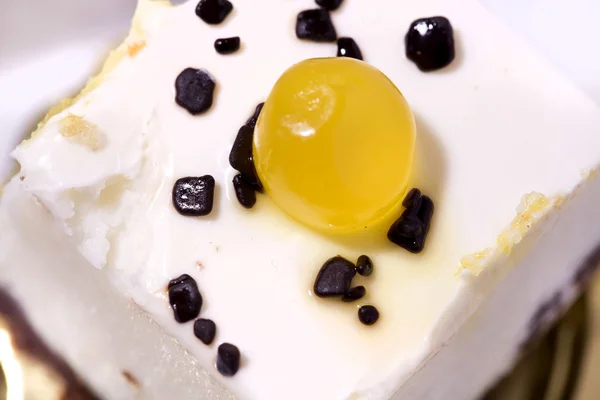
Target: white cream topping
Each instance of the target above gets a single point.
(495, 125)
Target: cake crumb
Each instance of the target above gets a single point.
(134, 48)
(199, 264)
(588, 173)
(475, 263)
(533, 207)
(22, 178)
(80, 131)
(130, 378)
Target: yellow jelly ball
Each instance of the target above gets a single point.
(334, 144)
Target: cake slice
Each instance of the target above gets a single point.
(505, 149)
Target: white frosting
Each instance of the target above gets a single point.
(493, 126)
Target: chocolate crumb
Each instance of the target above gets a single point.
(213, 12)
(245, 193)
(194, 90)
(330, 5)
(411, 229)
(412, 198)
(227, 45)
(368, 315)
(356, 293)
(228, 359)
(315, 25)
(254, 118)
(242, 159)
(334, 277)
(364, 265)
(194, 196)
(185, 298)
(205, 330)
(430, 43)
(347, 47)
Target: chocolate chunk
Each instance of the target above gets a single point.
(409, 226)
(227, 45)
(412, 199)
(244, 191)
(205, 330)
(356, 293)
(430, 43)
(315, 25)
(347, 47)
(193, 197)
(213, 12)
(411, 229)
(330, 5)
(194, 89)
(228, 359)
(242, 159)
(364, 266)
(185, 299)
(368, 315)
(424, 213)
(254, 118)
(334, 277)
(180, 280)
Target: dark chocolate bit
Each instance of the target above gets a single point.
(364, 266)
(244, 191)
(347, 47)
(356, 293)
(254, 118)
(330, 5)
(228, 359)
(315, 25)
(180, 280)
(412, 199)
(205, 330)
(185, 299)
(334, 277)
(411, 229)
(213, 12)
(227, 45)
(242, 159)
(194, 89)
(430, 43)
(194, 196)
(368, 315)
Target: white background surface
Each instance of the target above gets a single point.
(565, 31)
